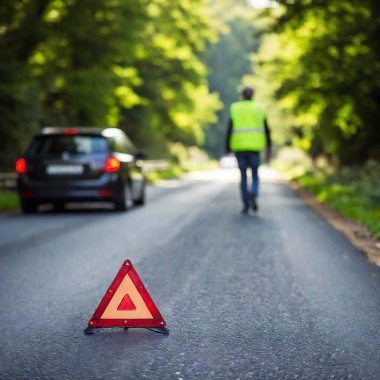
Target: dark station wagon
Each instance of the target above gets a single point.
(80, 165)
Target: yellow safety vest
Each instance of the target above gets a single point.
(248, 126)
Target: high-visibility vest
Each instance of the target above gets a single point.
(248, 126)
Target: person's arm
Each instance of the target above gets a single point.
(227, 146)
(268, 150)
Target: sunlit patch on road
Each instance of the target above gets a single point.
(266, 174)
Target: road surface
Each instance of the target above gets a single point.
(279, 295)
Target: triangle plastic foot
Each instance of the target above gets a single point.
(89, 331)
(159, 330)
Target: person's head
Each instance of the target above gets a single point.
(248, 93)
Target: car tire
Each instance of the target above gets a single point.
(29, 207)
(141, 200)
(123, 203)
(59, 206)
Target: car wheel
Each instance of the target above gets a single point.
(29, 207)
(59, 206)
(123, 203)
(141, 200)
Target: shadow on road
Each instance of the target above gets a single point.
(83, 208)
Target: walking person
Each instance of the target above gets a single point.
(248, 134)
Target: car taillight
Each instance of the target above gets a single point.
(112, 165)
(71, 131)
(21, 166)
(105, 192)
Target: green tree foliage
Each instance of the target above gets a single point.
(20, 32)
(175, 101)
(132, 64)
(324, 60)
(84, 60)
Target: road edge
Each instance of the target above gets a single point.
(356, 233)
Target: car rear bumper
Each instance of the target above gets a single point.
(108, 187)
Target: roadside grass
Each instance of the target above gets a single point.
(173, 171)
(354, 192)
(8, 200)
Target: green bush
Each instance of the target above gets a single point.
(173, 171)
(8, 200)
(353, 191)
(292, 162)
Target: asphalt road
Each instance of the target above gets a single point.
(279, 295)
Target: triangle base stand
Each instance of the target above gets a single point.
(159, 330)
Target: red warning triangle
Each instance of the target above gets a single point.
(127, 303)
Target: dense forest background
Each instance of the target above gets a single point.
(323, 58)
(132, 64)
(166, 71)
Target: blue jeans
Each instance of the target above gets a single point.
(248, 160)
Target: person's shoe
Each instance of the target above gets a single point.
(254, 205)
(245, 210)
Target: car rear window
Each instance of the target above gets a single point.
(73, 144)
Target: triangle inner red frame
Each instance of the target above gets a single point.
(127, 269)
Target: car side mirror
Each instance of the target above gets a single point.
(141, 156)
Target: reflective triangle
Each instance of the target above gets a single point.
(127, 303)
